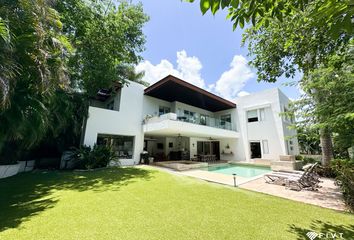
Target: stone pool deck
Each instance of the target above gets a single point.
(327, 196)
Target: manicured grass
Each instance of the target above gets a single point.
(140, 203)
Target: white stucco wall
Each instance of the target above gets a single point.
(271, 129)
(134, 106)
(127, 121)
(151, 106)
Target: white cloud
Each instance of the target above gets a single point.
(228, 86)
(188, 69)
(153, 73)
(243, 93)
(233, 80)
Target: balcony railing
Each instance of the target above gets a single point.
(205, 121)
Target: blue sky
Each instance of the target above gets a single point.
(200, 49)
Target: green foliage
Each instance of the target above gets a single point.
(99, 156)
(328, 99)
(307, 160)
(334, 15)
(308, 139)
(299, 157)
(107, 38)
(54, 55)
(282, 48)
(34, 63)
(345, 178)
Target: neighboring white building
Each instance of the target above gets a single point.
(173, 119)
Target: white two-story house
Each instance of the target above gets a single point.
(175, 120)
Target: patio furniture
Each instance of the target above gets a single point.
(311, 174)
(207, 158)
(294, 181)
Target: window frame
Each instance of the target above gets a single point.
(248, 118)
(165, 110)
(265, 146)
(108, 139)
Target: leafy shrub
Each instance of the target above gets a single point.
(306, 160)
(97, 157)
(344, 170)
(326, 171)
(299, 157)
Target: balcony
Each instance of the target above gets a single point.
(172, 124)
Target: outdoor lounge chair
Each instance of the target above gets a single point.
(293, 181)
(310, 170)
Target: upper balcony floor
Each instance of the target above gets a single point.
(223, 122)
(186, 102)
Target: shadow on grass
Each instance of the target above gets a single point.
(326, 228)
(28, 194)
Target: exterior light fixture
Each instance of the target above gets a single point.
(234, 174)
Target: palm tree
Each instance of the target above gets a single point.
(8, 68)
(32, 68)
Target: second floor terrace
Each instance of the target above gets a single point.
(174, 99)
(224, 122)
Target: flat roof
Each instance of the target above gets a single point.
(173, 89)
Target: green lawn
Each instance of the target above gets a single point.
(136, 203)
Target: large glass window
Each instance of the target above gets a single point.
(203, 148)
(225, 121)
(204, 119)
(252, 116)
(123, 145)
(164, 110)
(190, 116)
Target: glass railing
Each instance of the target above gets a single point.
(207, 121)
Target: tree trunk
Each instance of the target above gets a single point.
(326, 145)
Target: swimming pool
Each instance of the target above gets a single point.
(240, 169)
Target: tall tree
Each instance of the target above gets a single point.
(106, 37)
(335, 15)
(53, 55)
(328, 100)
(33, 59)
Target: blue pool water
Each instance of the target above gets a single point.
(240, 170)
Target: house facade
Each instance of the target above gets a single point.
(175, 120)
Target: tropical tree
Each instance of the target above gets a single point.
(328, 101)
(7, 66)
(106, 37)
(33, 59)
(335, 15)
(309, 139)
(53, 56)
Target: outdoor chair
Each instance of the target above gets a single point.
(294, 181)
(310, 169)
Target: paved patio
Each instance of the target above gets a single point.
(327, 196)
